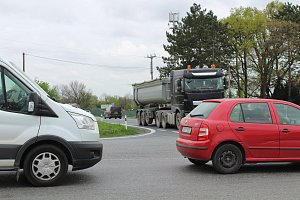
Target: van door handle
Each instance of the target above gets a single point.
(240, 129)
(285, 130)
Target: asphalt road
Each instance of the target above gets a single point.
(150, 167)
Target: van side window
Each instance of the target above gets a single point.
(288, 114)
(2, 99)
(14, 94)
(257, 113)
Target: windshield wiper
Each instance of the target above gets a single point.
(197, 115)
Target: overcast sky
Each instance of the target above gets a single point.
(115, 35)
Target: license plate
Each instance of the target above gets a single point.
(186, 130)
(115, 113)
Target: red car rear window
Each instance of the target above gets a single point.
(203, 110)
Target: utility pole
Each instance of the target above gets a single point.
(23, 62)
(151, 64)
(173, 19)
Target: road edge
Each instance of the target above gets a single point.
(131, 136)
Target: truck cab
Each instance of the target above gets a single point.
(190, 87)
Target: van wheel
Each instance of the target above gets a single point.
(45, 165)
(227, 159)
(198, 162)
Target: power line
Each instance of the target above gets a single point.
(83, 63)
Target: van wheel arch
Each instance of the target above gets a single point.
(26, 149)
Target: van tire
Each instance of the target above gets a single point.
(56, 164)
(227, 159)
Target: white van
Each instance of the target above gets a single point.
(41, 136)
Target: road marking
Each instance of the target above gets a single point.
(132, 136)
(175, 131)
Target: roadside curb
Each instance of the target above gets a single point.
(131, 136)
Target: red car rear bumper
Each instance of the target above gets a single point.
(198, 150)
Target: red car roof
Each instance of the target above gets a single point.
(246, 100)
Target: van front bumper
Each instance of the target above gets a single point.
(86, 154)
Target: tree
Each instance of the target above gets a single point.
(265, 47)
(76, 92)
(51, 91)
(242, 24)
(286, 65)
(199, 40)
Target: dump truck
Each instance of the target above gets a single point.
(167, 100)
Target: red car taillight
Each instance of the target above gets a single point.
(203, 132)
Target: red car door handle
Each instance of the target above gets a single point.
(285, 130)
(240, 129)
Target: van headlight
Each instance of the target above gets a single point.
(83, 122)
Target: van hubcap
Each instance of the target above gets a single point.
(46, 166)
(228, 159)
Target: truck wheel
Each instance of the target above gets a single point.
(45, 165)
(227, 159)
(177, 120)
(157, 121)
(148, 119)
(164, 123)
(143, 120)
(138, 118)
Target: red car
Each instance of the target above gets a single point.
(231, 132)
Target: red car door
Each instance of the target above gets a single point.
(289, 129)
(253, 125)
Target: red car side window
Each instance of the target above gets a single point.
(251, 113)
(237, 114)
(288, 114)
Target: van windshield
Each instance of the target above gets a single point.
(31, 81)
(203, 110)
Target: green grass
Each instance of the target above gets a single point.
(108, 130)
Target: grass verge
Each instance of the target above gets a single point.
(108, 130)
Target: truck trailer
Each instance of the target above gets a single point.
(167, 100)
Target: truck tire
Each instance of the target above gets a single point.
(148, 119)
(157, 120)
(138, 118)
(45, 165)
(164, 122)
(143, 119)
(177, 120)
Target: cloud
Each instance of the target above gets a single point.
(117, 35)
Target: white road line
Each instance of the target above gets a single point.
(175, 131)
(132, 136)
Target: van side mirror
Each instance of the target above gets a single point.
(33, 103)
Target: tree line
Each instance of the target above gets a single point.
(78, 94)
(260, 49)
